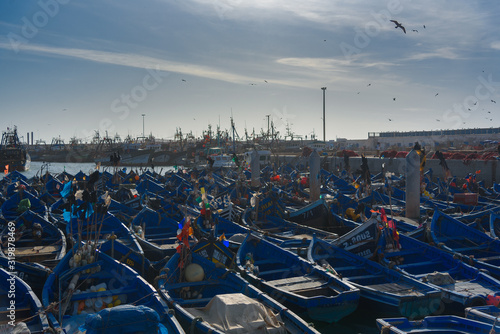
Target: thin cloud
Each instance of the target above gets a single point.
(140, 61)
(319, 64)
(495, 45)
(444, 53)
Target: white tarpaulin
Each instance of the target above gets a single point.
(236, 313)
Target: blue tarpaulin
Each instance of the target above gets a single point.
(123, 319)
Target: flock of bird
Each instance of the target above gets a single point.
(400, 26)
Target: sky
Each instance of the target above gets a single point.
(69, 68)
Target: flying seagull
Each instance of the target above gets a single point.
(398, 25)
(415, 30)
(493, 101)
(436, 94)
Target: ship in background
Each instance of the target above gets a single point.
(13, 154)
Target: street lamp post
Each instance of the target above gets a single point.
(143, 138)
(324, 127)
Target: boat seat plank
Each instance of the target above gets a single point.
(355, 278)
(261, 262)
(465, 249)
(417, 264)
(295, 280)
(275, 271)
(340, 269)
(298, 283)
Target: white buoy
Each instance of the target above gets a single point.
(194, 273)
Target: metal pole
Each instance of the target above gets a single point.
(324, 127)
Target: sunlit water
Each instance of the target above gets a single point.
(38, 168)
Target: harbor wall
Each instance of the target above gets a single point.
(489, 169)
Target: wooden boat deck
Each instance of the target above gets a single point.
(471, 288)
(36, 250)
(300, 284)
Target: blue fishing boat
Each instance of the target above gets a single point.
(283, 229)
(36, 239)
(87, 281)
(156, 233)
(470, 244)
(380, 286)
(34, 274)
(20, 309)
(300, 285)
(449, 324)
(207, 298)
(462, 285)
(21, 201)
(487, 313)
(100, 227)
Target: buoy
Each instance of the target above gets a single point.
(98, 304)
(194, 273)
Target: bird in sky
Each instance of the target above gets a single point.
(359, 92)
(390, 120)
(438, 120)
(414, 30)
(399, 25)
(436, 94)
(184, 80)
(424, 26)
(251, 84)
(368, 85)
(265, 81)
(493, 101)
(394, 99)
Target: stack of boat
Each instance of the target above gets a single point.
(173, 252)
